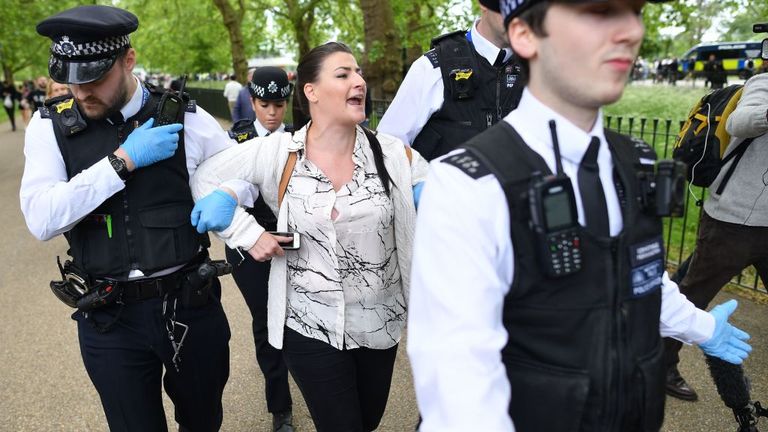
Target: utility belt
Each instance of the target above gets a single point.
(191, 284)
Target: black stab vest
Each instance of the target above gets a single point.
(584, 351)
(146, 226)
(493, 92)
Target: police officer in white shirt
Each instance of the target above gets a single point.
(538, 302)
(101, 170)
(466, 83)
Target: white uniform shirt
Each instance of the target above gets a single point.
(421, 93)
(262, 131)
(52, 204)
(462, 241)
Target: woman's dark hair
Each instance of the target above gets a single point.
(307, 71)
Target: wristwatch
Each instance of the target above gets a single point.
(119, 166)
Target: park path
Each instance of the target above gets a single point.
(44, 387)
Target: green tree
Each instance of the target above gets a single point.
(382, 63)
(233, 22)
(21, 48)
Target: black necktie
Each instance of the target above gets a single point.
(592, 195)
(500, 59)
(116, 118)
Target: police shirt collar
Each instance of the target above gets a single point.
(572, 139)
(486, 48)
(262, 131)
(135, 102)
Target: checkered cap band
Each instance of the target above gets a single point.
(272, 90)
(64, 47)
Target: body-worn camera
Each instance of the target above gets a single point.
(662, 190)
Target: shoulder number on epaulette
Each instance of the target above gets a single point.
(191, 106)
(469, 164)
(44, 112)
(431, 55)
(643, 149)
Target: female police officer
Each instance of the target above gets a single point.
(269, 89)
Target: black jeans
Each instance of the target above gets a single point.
(722, 251)
(126, 365)
(345, 391)
(252, 278)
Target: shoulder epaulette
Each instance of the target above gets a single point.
(431, 55)
(44, 112)
(469, 164)
(643, 149)
(191, 105)
(441, 38)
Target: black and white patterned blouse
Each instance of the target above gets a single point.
(344, 284)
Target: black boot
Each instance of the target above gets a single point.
(677, 387)
(282, 422)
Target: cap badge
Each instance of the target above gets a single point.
(66, 46)
(272, 87)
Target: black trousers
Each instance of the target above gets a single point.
(345, 391)
(252, 278)
(722, 251)
(126, 364)
(11, 115)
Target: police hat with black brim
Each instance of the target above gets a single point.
(513, 8)
(491, 4)
(269, 83)
(86, 41)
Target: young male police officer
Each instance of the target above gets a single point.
(269, 91)
(466, 83)
(507, 335)
(98, 172)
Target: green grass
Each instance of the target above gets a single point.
(662, 102)
(208, 84)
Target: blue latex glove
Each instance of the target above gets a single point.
(213, 212)
(147, 145)
(417, 193)
(727, 342)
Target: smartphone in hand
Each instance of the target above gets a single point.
(292, 245)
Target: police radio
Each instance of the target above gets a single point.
(555, 220)
(171, 106)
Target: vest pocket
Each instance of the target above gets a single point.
(167, 238)
(93, 246)
(538, 389)
(649, 381)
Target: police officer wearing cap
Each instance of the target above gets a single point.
(101, 171)
(538, 301)
(269, 91)
(466, 83)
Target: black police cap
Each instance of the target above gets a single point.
(85, 41)
(513, 8)
(269, 83)
(491, 4)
